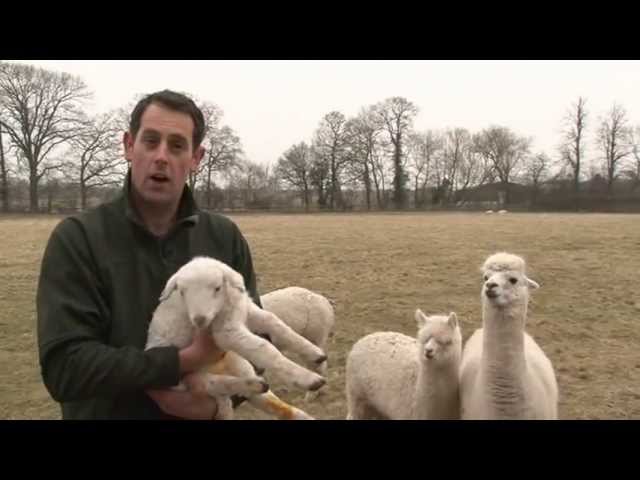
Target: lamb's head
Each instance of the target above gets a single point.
(505, 280)
(206, 286)
(439, 338)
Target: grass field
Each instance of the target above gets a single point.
(379, 268)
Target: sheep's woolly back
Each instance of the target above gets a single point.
(307, 313)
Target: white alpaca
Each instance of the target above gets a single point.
(393, 376)
(208, 294)
(504, 374)
(309, 314)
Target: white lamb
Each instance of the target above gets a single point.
(504, 374)
(208, 294)
(308, 313)
(396, 377)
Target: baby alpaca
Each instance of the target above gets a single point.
(504, 374)
(395, 377)
(208, 294)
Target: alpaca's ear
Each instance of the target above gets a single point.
(453, 320)
(234, 279)
(532, 283)
(421, 319)
(171, 285)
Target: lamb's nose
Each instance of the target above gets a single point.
(429, 352)
(199, 320)
(491, 286)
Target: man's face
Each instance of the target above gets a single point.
(161, 155)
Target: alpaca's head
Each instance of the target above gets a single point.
(206, 286)
(439, 338)
(505, 280)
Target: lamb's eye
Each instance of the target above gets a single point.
(513, 280)
(217, 289)
(486, 277)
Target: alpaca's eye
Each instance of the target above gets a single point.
(513, 280)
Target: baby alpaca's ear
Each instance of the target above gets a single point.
(532, 283)
(453, 320)
(171, 285)
(421, 319)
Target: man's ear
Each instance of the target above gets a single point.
(197, 157)
(127, 142)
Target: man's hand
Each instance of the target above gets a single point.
(202, 351)
(188, 405)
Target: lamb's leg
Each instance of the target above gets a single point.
(226, 385)
(322, 369)
(282, 335)
(234, 336)
(269, 403)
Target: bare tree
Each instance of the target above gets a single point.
(504, 150)
(212, 114)
(425, 147)
(362, 138)
(572, 147)
(294, 169)
(536, 170)
(40, 110)
(98, 159)
(614, 140)
(633, 171)
(222, 153)
(397, 114)
(329, 146)
(4, 178)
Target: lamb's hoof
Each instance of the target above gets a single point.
(300, 415)
(319, 383)
(320, 360)
(265, 387)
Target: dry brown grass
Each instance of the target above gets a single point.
(379, 268)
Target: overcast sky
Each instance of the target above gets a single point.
(274, 104)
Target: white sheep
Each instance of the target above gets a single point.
(393, 376)
(208, 294)
(502, 212)
(308, 313)
(488, 212)
(504, 374)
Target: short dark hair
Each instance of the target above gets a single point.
(174, 101)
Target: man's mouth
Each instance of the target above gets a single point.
(159, 178)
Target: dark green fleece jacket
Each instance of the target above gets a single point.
(101, 276)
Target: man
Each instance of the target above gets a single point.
(103, 271)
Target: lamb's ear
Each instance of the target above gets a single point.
(532, 283)
(453, 320)
(171, 285)
(421, 318)
(234, 279)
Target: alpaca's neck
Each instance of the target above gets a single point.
(503, 359)
(436, 395)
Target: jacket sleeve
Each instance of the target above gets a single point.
(73, 329)
(243, 263)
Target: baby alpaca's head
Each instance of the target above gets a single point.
(439, 338)
(206, 286)
(505, 280)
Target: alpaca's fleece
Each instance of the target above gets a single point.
(504, 374)
(393, 376)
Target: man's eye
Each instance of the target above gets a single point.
(177, 146)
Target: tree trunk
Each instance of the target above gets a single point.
(33, 193)
(83, 196)
(5, 182)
